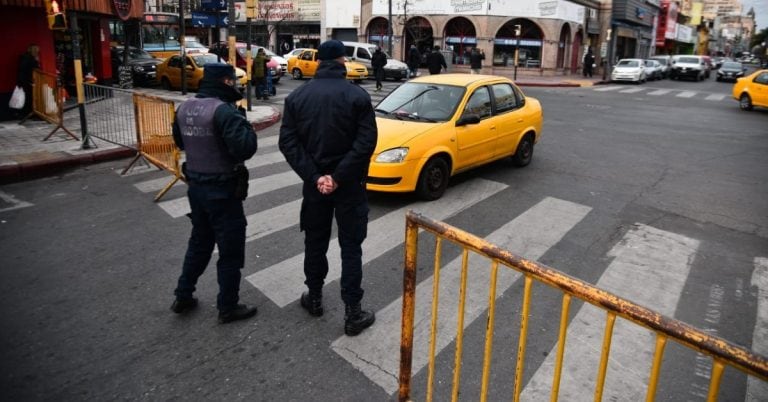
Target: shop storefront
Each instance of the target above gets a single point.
(26, 22)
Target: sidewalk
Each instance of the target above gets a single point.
(24, 156)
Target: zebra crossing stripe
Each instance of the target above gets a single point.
(283, 282)
(607, 88)
(686, 94)
(650, 267)
(660, 92)
(757, 390)
(375, 351)
(630, 90)
(272, 220)
(180, 206)
(715, 97)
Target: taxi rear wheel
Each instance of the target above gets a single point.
(296, 73)
(433, 179)
(524, 152)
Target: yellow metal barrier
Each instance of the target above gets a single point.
(154, 136)
(47, 101)
(721, 351)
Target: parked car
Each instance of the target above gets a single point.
(193, 45)
(689, 66)
(222, 50)
(142, 64)
(305, 65)
(363, 53)
(730, 71)
(294, 53)
(666, 64)
(169, 71)
(752, 90)
(435, 126)
(653, 70)
(632, 70)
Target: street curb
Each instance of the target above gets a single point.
(547, 84)
(17, 172)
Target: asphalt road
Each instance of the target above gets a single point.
(656, 192)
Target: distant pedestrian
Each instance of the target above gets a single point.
(329, 145)
(259, 74)
(285, 47)
(414, 60)
(28, 62)
(436, 61)
(589, 63)
(217, 140)
(476, 58)
(378, 61)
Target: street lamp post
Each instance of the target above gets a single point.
(517, 48)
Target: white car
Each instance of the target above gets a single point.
(632, 70)
(294, 52)
(653, 70)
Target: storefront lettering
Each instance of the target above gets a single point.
(467, 5)
(548, 8)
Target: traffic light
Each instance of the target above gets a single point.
(517, 30)
(250, 8)
(57, 21)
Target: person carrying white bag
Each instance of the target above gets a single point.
(28, 62)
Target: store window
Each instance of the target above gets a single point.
(460, 37)
(529, 49)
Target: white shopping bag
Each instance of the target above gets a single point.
(50, 101)
(17, 99)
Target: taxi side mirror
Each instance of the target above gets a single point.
(466, 119)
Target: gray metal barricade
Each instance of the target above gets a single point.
(110, 115)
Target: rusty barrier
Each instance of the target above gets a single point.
(722, 352)
(109, 114)
(154, 118)
(48, 101)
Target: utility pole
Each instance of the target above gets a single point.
(231, 34)
(518, 30)
(182, 50)
(250, 14)
(75, 31)
(389, 28)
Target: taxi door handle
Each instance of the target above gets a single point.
(520, 120)
(492, 128)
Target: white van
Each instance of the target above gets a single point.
(363, 53)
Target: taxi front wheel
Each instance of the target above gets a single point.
(433, 179)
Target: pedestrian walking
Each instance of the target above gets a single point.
(476, 58)
(378, 61)
(414, 59)
(436, 61)
(589, 63)
(329, 145)
(217, 140)
(28, 62)
(259, 74)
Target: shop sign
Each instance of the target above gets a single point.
(122, 8)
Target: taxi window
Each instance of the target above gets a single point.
(479, 103)
(175, 62)
(505, 98)
(762, 78)
(306, 56)
(362, 53)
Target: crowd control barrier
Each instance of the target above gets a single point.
(154, 138)
(47, 101)
(722, 352)
(109, 113)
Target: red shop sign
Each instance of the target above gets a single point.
(122, 8)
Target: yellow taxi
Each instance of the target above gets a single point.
(433, 127)
(169, 71)
(305, 64)
(752, 90)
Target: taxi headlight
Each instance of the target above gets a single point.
(394, 155)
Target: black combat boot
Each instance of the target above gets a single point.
(313, 303)
(240, 312)
(181, 306)
(356, 319)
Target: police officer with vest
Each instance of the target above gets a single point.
(217, 139)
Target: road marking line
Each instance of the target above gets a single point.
(257, 161)
(272, 220)
(608, 88)
(650, 267)
(530, 235)
(180, 206)
(630, 90)
(660, 92)
(15, 204)
(686, 94)
(282, 283)
(757, 390)
(715, 97)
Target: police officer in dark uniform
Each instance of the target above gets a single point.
(328, 135)
(217, 139)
